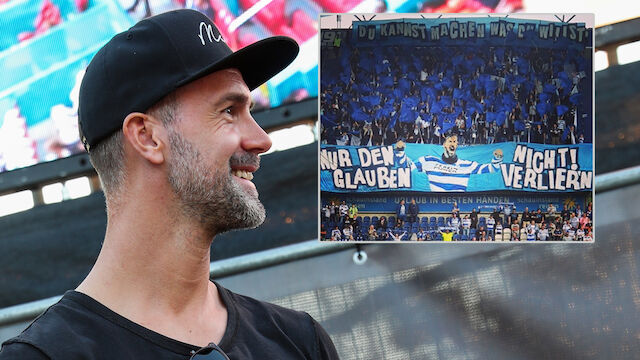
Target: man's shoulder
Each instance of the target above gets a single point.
(261, 308)
(426, 158)
(62, 323)
(257, 319)
(79, 327)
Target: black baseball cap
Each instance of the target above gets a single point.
(140, 66)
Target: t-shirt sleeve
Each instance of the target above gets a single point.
(21, 351)
(326, 349)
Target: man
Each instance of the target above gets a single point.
(401, 211)
(491, 223)
(551, 211)
(396, 235)
(584, 220)
(454, 222)
(557, 233)
(572, 137)
(343, 211)
(455, 210)
(498, 234)
(504, 134)
(506, 210)
(414, 209)
(555, 134)
(495, 214)
(347, 233)
(449, 173)
(574, 221)
(566, 227)
(565, 213)
(526, 216)
(421, 235)
(353, 217)
(543, 234)
(531, 234)
(466, 226)
(515, 231)
(165, 115)
(514, 214)
(382, 224)
(481, 234)
(371, 233)
(400, 158)
(474, 218)
(334, 212)
(492, 132)
(539, 135)
(336, 234)
(447, 235)
(539, 217)
(326, 213)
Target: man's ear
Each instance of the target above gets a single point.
(146, 135)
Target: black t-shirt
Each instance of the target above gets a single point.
(79, 327)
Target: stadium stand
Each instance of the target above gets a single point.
(541, 94)
(494, 301)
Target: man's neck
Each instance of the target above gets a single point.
(154, 270)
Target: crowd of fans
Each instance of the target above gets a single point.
(341, 222)
(377, 96)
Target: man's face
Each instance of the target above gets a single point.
(450, 145)
(214, 146)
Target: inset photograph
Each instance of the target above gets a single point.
(441, 127)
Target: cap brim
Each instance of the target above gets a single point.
(257, 62)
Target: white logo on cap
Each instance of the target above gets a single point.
(209, 31)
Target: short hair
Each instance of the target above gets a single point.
(449, 135)
(107, 156)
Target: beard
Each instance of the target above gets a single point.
(449, 159)
(211, 196)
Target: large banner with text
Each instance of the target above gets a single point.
(437, 168)
(471, 32)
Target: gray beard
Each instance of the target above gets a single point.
(211, 196)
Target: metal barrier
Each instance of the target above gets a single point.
(218, 269)
(617, 179)
(263, 259)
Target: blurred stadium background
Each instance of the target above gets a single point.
(405, 302)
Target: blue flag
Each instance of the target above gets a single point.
(549, 88)
(561, 109)
(542, 108)
(575, 98)
(519, 125)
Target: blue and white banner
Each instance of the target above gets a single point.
(443, 202)
(427, 168)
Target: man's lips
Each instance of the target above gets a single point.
(244, 165)
(244, 171)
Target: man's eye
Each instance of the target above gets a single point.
(229, 110)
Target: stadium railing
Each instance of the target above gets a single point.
(217, 269)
